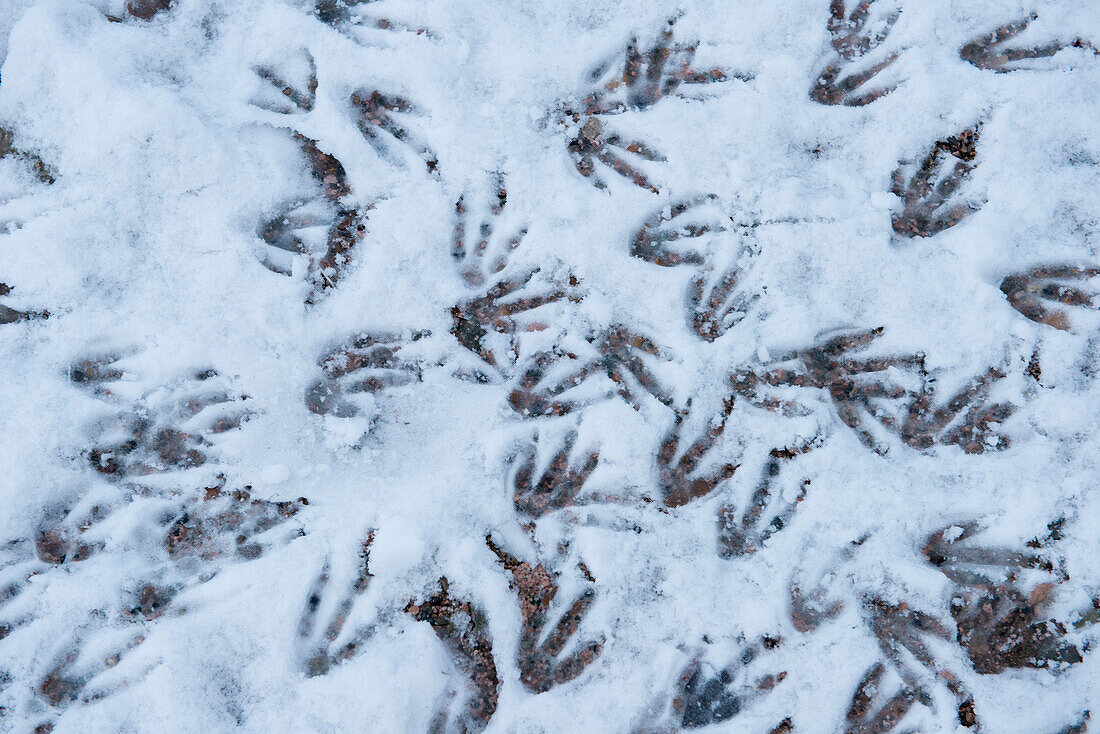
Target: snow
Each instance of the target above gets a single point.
(171, 154)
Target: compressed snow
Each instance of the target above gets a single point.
(228, 363)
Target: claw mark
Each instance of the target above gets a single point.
(924, 427)
(999, 625)
(472, 263)
(617, 354)
(42, 172)
(1027, 291)
(675, 473)
(376, 113)
(292, 100)
(856, 387)
(928, 194)
(338, 13)
(12, 316)
(464, 631)
(852, 40)
(559, 484)
(988, 52)
(323, 653)
(539, 666)
(862, 720)
(370, 363)
(495, 311)
(745, 537)
(647, 77)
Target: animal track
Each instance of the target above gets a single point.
(675, 470)
(477, 319)
(539, 665)
(165, 430)
(704, 697)
(325, 231)
(222, 522)
(743, 537)
(378, 116)
(656, 241)
(809, 610)
(616, 353)
(473, 266)
(989, 52)
(853, 38)
(713, 305)
(925, 427)
(369, 363)
(73, 678)
(593, 145)
(69, 534)
(320, 654)
(1000, 626)
(647, 76)
(503, 296)
(900, 631)
(928, 193)
(463, 630)
(857, 388)
(559, 484)
(1027, 291)
(13, 610)
(1081, 726)
(889, 715)
(144, 501)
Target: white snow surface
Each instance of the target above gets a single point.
(147, 249)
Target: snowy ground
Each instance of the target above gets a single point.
(779, 392)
